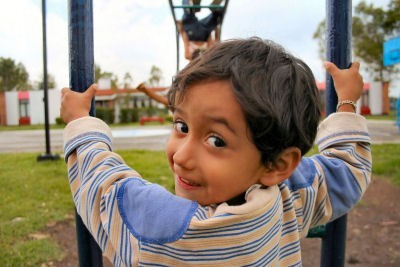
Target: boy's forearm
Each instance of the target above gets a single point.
(90, 161)
(345, 160)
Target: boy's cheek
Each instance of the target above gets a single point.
(169, 151)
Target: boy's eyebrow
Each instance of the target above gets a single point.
(219, 120)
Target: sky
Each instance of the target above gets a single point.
(133, 35)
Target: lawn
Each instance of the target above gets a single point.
(37, 194)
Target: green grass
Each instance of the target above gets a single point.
(391, 117)
(35, 194)
(386, 161)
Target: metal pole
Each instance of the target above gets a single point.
(81, 61)
(47, 155)
(171, 5)
(177, 51)
(338, 25)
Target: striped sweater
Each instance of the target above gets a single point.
(137, 223)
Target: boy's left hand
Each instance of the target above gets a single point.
(348, 82)
(75, 105)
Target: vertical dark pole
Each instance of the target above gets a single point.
(177, 51)
(45, 83)
(171, 6)
(338, 25)
(47, 155)
(81, 61)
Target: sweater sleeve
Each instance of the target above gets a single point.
(119, 208)
(326, 186)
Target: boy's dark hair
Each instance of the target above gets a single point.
(276, 91)
(196, 53)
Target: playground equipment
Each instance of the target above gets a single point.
(81, 59)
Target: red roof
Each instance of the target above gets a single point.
(106, 92)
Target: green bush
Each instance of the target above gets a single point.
(59, 121)
(152, 111)
(105, 114)
(129, 115)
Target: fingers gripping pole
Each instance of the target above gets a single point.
(81, 62)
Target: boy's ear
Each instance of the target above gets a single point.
(282, 168)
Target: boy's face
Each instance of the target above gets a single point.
(210, 151)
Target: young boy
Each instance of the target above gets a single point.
(245, 113)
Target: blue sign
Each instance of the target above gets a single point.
(391, 52)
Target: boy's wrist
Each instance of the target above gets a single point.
(346, 106)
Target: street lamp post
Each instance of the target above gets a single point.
(47, 155)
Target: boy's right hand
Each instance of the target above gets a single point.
(348, 82)
(75, 105)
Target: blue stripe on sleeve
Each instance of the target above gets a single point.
(85, 138)
(343, 188)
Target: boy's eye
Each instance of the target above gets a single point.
(181, 127)
(216, 141)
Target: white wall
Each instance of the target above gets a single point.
(12, 109)
(375, 98)
(36, 101)
(54, 105)
(36, 106)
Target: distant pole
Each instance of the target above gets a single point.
(47, 155)
(171, 5)
(338, 25)
(81, 62)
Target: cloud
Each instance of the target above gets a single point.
(290, 23)
(144, 36)
(20, 33)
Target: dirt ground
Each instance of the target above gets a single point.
(373, 233)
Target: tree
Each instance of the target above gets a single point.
(155, 75)
(392, 23)
(127, 80)
(13, 76)
(98, 73)
(370, 30)
(51, 82)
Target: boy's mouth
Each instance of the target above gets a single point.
(186, 184)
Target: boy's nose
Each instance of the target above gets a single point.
(185, 154)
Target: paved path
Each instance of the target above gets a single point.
(153, 138)
(149, 137)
